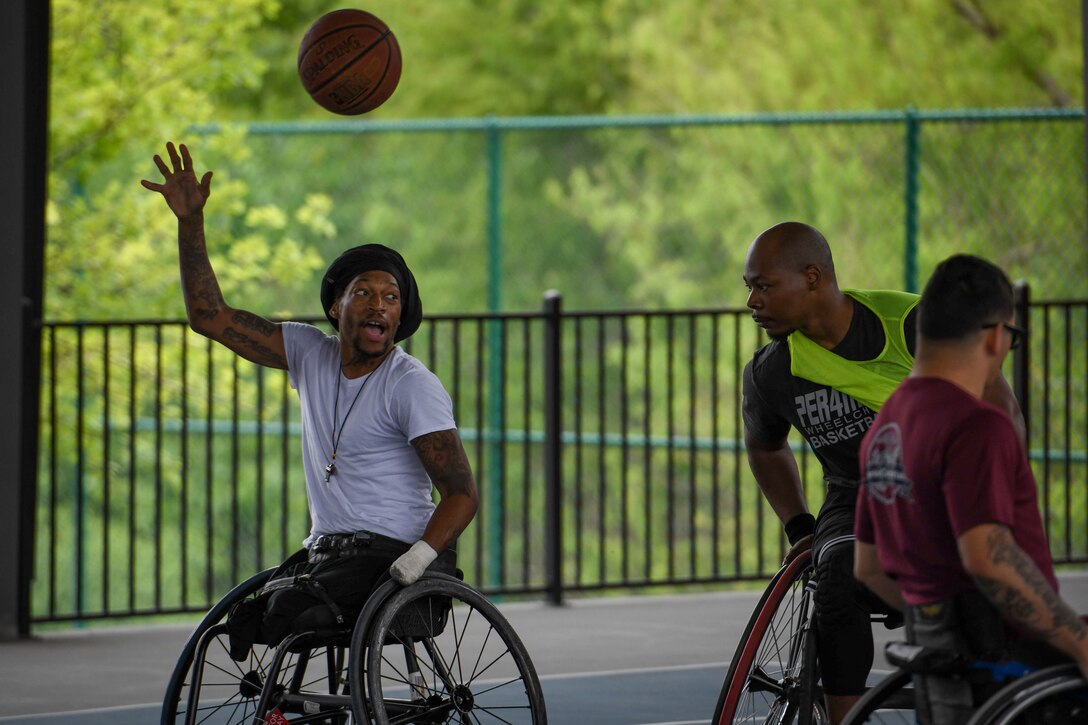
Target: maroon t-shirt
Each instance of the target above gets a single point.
(935, 463)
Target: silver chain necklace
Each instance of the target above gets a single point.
(330, 469)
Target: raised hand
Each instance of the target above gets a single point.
(183, 193)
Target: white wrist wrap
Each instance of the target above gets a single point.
(412, 563)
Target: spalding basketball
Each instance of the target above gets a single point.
(349, 62)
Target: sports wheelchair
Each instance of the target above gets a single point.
(1056, 694)
(436, 651)
(774, 675)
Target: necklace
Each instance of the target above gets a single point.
(330, 469)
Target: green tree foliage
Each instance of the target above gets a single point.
(128, 75)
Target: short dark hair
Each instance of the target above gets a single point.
(964, 293)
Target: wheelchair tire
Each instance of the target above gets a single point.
(177, 688)
(1053, 694)
(470, 664)
(772, 676)
(890, 701)
(208, 686)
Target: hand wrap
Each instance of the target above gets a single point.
(411, 564)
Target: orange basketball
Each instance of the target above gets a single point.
(349, 62)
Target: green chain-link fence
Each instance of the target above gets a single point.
(658, 211)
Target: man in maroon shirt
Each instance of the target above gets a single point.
(948, 526)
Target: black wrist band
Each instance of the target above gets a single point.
(799, 527)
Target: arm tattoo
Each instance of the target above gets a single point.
(252, 322)
(252, 349)
(204, 301)
(445, 461)
(201, 288)
(1050, 614)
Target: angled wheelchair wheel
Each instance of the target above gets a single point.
(1051, 695)
(439, 652)
(773, 675)
(208, 686)
(175, 709)
(890, 701)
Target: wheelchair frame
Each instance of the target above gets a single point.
(1028, 692)
(774, 674)
(494, 681)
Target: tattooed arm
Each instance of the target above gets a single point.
(445, 461)
(251, 336)
(1012, 581)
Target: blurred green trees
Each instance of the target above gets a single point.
(127, 76)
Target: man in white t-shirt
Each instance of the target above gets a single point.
(377, 426)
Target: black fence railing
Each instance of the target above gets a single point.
(607, 447)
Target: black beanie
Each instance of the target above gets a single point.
(364, 258)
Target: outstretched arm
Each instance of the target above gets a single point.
(1012, 581)
(251, 336)
(443, 457)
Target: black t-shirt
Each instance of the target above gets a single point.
(833, 423)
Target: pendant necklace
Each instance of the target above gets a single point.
(330, 469)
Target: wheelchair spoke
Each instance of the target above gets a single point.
(467, 645)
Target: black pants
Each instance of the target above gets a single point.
(347, 579)
(844, 606)
(344, 575)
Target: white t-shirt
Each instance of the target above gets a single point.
(380, 484)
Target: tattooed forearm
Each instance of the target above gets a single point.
(1010, 602)
(1026, 596)
(445, 461)
(203, 297)
(252, 349)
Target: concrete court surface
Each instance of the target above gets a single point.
(629, 660)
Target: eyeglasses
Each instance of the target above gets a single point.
(1016, 334)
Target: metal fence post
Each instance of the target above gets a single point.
(553, 447)
(1021, 358)
(494, 502)
(910, 241)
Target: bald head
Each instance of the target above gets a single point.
(791, 283)
(793, 247)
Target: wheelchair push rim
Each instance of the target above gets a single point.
(439, 651)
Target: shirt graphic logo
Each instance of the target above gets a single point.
(826, 417)
(885, 479)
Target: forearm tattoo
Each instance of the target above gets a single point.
(1035, 605)
(444, 458)
(257, 352)
(202, 292)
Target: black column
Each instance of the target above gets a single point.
(24, 57)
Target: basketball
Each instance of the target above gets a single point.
(349, 62)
